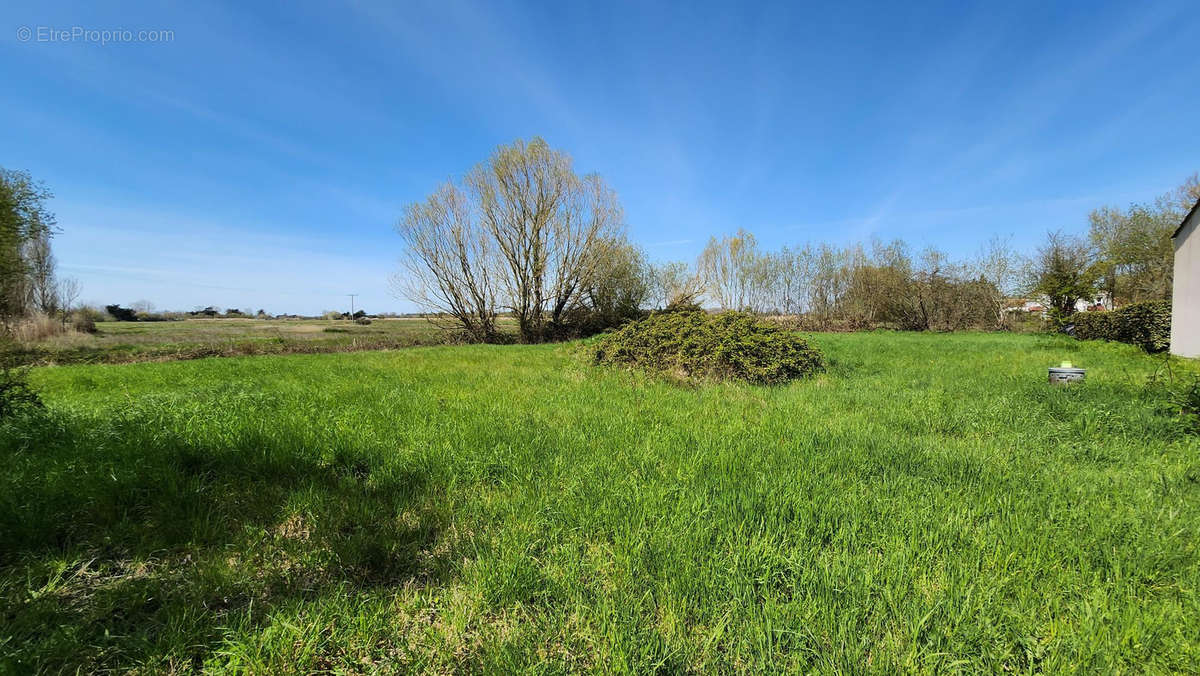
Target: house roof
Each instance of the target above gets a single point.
(1195, 208)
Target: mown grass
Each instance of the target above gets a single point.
(127, 342)
(928, 504)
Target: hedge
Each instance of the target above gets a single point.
(1147, 325)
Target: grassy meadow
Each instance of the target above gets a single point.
(123, 342)
(928, 504)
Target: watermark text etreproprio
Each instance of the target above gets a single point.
(101, 36)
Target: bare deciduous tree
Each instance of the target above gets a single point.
(999, 264)
(68, 294)
(674, 283)
(547, 224)
(524, 232)
(832, 274)
(735, 275)
(448, 262)
(794, 267)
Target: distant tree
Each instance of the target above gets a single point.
(121, 314)
(999, 264)
(1134, 253)
(674, 283)
(619, 290)
(68, 294)
(735, 275)
(832, 275)
(794, 267)
(1063, 272)
(887, 286)
(950, 297)
(143, 306)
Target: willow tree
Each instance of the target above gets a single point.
(448, 263)
(521, 232)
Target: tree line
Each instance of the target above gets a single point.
(29, 280)
(858, 285)
(523, 234)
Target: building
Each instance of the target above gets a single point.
(1185, 300)
(1038, 305)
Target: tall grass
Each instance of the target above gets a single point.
(928, 504)
(39, 327)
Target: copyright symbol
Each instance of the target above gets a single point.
(24, 33)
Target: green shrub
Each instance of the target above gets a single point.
(700, 346)
(1147, 325)
(91, 313)
(83, 322)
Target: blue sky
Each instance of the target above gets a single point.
(260, 157)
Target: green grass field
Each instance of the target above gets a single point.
(928, 504)
(123, 342)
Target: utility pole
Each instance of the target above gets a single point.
(352, 295)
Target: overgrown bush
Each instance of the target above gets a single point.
(700, 346)
(83, 322)
(91, 312)
(1147, 325)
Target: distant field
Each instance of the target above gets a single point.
(120, 342)
(929, 504)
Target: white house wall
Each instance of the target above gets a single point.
(1185, 302)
